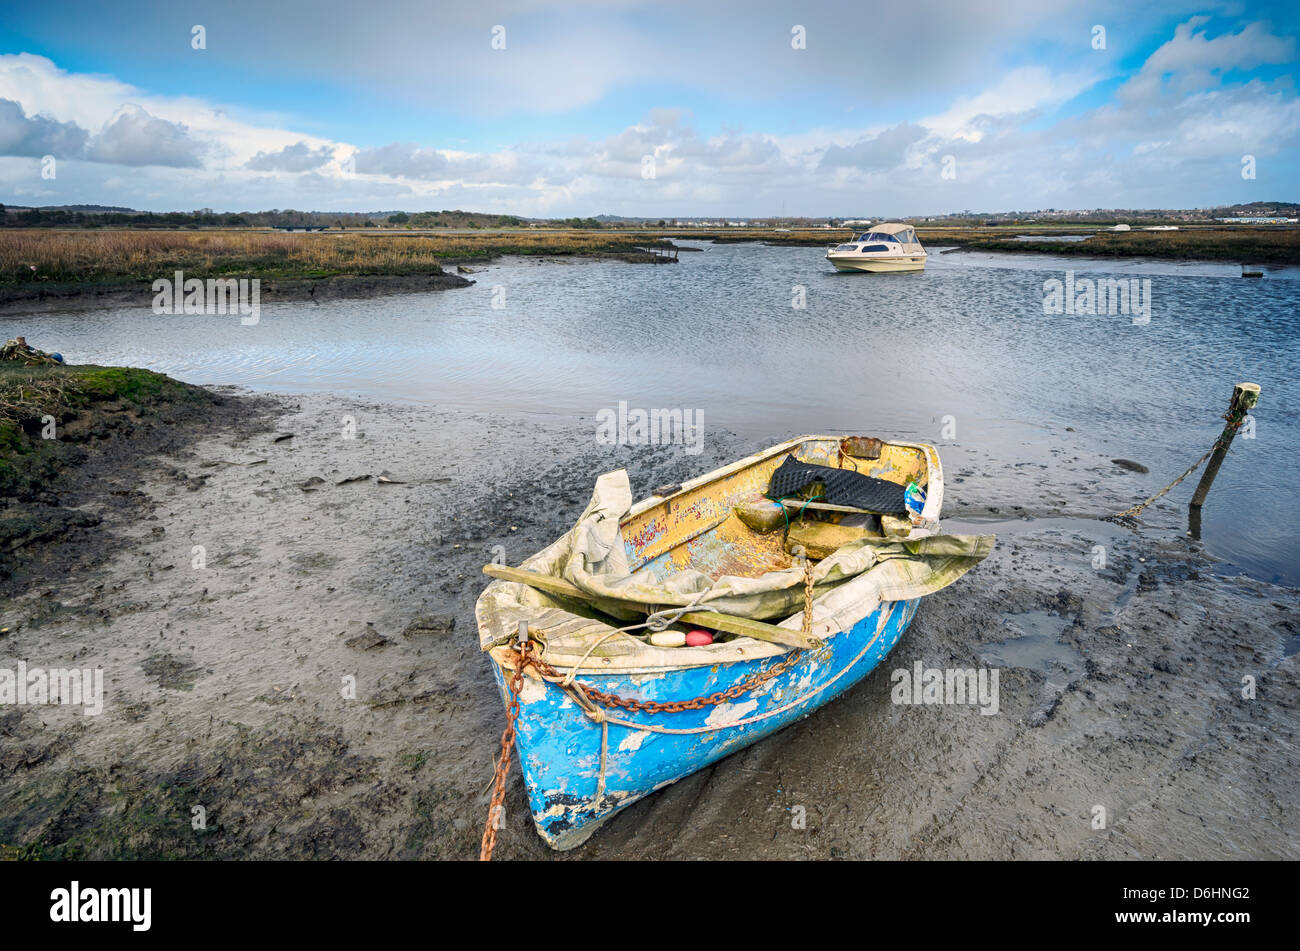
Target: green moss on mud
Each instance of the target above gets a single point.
(75, 404)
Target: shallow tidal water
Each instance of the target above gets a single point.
(961, 353)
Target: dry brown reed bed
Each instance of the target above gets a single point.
(122, 256)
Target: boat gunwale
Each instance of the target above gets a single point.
(502, 654)
(933, 491)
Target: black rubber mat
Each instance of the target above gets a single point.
(842, 487)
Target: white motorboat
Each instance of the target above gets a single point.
(888, 246)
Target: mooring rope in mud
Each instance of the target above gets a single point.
(513, 686)
(1130, 515)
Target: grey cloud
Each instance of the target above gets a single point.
(409, 161)
(879, 152)
(1167, 143)
(133, 137)
(403, 161)
(620, 155)
(299, 157)
(743, 150)
(37, 135)
(563, 55)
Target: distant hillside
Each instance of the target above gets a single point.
(104, 216)
(1260, 209)
(93, 209)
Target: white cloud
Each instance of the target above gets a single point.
(1029, 89)
(1183, 119)
(563, 55)
(93, 102)
(1191, 58)
(134, 137)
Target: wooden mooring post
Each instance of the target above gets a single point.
(1245, 397)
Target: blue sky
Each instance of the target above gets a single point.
(737, 109)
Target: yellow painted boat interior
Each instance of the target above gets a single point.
(697, 526)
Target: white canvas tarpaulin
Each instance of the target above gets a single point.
(849, 585)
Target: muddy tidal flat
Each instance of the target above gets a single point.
(230, 579)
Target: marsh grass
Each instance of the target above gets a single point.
(117, 257)
(1247, 245)
(112, 257)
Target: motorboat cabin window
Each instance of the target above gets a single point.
(877, 236)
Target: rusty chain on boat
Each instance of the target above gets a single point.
(513, 686)
(677, 706)
(699, 703)
(523, 659)
(1233, 418)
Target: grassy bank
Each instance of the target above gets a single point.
(73, 441)
(74, 405)
(130, 257)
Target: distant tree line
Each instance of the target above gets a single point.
(73, 217)
(96, 216)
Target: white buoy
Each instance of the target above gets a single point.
(668, 639)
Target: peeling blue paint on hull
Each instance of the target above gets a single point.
(560, 746)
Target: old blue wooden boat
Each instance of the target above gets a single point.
(584, 758)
